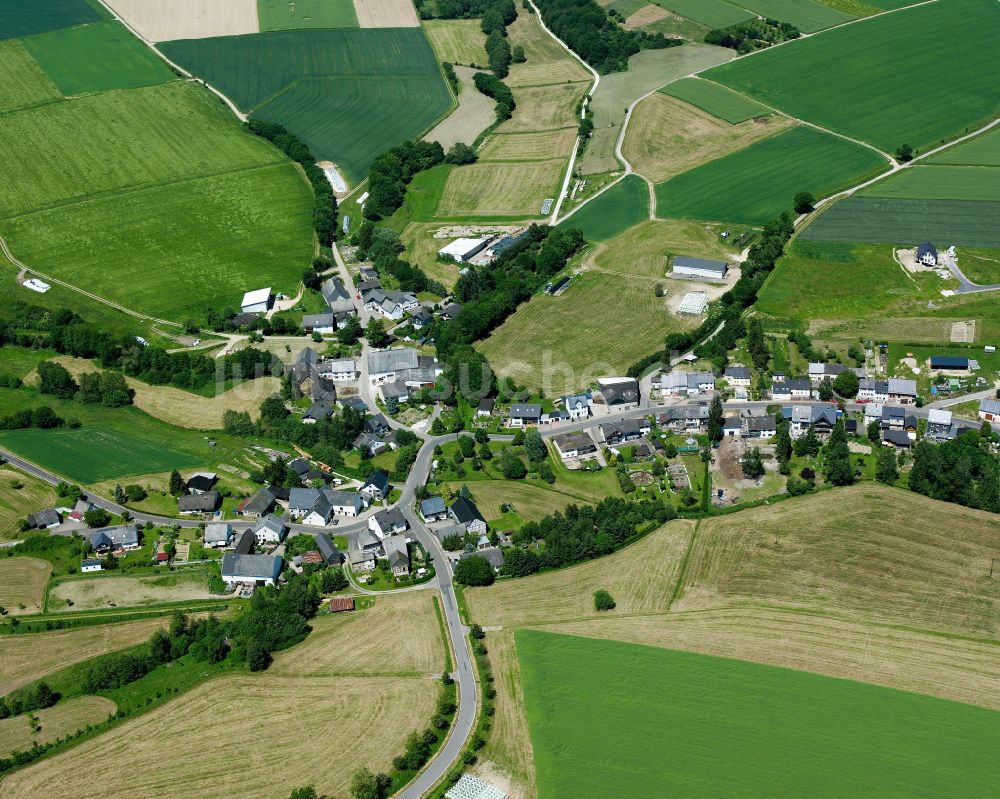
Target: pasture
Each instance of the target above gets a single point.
(806, 15)
(903, 221)
(97, 58)
(283, 15)
(755, 184)
(457, 41)
(500, 189)
(614, 211)
(546, 62)
(939, 183)
(858, 79)
(22, 81)
(26, 19)
(715, 99)
(528, 146)
(25, 658)
(667, 137)
(65, 718)
(92, 593)
(90, 454)
(814, 735)
(17, 503)
(648, 70)
(22, 583)
(981, 151)
(165, 20)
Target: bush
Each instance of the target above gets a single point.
(603, 600)
(474, 571)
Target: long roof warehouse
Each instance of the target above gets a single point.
(699, 268)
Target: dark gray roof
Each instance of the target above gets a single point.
(327, 549)
(620, 393)
(701, 263)
(261, 502)
(492, 555)
(526, 410)
(245, 543)
(739, 372)
(201, 482)
(897, 438)
(44, 518)
(379, 480)
(206, 502)
(254, 567)
(124, 535)
(319, 411)
(465, 511)
(432, 506)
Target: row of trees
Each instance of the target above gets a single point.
(391, 173)
(754, 34)
(492, 86)
(42, 417)
(106, 388)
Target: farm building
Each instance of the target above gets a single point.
(258, 301)
(949, 363)
(256, 569)
(686, 384)
(698, 268)
(43, 519)
(91, 565)
(201, 482)
(329, 550)
(694, 303)
(341, 603)
(383, 364)
(198, 503)
(463, 249)
(927, 255)
(903, 391)
(256, 505)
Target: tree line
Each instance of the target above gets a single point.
(754, 34)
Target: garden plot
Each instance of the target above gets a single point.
(165, 20)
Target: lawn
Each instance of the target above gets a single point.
(981, 151)
(510, 188)
(667, 136)
(280, 15)
(616, 210)
(65, 718)
(939, 183)
(22, 582)
(90, 454)
(20, 496)
(716, 99)
(22, 80)
(348, 93)
(859, 79)
(97, 58)
(806, 15)
(908, 222)
(755, 184)
(457, 41)
(25, 19)
(686, 732)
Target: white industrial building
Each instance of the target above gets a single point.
(699, 268)
(463, 249)
(258, 301)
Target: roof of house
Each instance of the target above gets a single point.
(261, 502)
(396, 551)
(245, 542)
(300, 466)
(432, 506)
(492, 555)
(385, 361)
(926, 247)
(893, 412)
(318, 410)
(900, 386)
(253, 567)
(990, 406)
(465, 511)
(199, 502)
(202, 481)
(620, 392)
(939, 416)
(338, 366)
(218, 532)
(334, 293)
(575, 441)
(878, 386)
(378, 479)
(793, 384)
(575, 402)
(486, 404)
(526, 410)
(46, 517)
(328, 550)
(318, 320)
(344, 499)
(738, 372)
(122, 535)
(898, 438)
(624, 427)
(827, 369)
(756, 424)
(732, 423)
(701, 264)
(949, 362)
(255, 297)
(390, 519)
(270, 522)
(302, 499)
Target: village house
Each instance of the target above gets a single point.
(625, 430)
(91, 565)
(896, 438)
(337, 297)
(387, 522)
(317, 412)
(107, 539)
(343, 370)
(821, 419)
(398, 555)
(989, 410)
(44, 519)
(939, 423)
(577, 406)
(485, 408)
(686, 384)
(575, 445)
(492, 555)
(732, 427)
(328, 550)
(760, 426)
(364, 552)
(269, 529)
(873, 391)
(251, 569)
(322, 323)
(927, 255)
(738, 377)
(620, 393)
(525, 414)
(433, 509)
(218, 535)
(684, 418)
(464, 511)
(902, 391)
(376, 487)
(791, 390)
(818, 372)
(399, 392)
(256, 505)
(198, 503)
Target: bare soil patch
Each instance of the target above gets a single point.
(646, 15)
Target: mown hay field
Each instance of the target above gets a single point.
(386, 14)
(713, 13)
(190, 19)
(18, 503)
(613, 211)
(282, 15)
(25, 658)
(22, 582)
(545, 61)
(500, 189)
(981, 151)
(536, 146)
(90, 454)
(91, 593)
(859, 79)
(457, 41)
(16, 734)
(26, 19)
(97, 58)
(755, 184)
(22, 81)
(544, 108)
(811, 732)
(939, 183)
(715, 99)
(806, 15)
(645, 250)
(667, 137)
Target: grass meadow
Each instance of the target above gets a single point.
(806, 15)
(685, 731)
(22, 81)
(860, 79)
(92, 593)
(754, 185)
(715, 99)
(458, 41)
(546, 63)
(713, 13)
(616, 210)
(22, 582)
(939, 183)
(280, 15)
(981, 151)
(26, 19)
(509, 188)
(20, 495)
(16, 733)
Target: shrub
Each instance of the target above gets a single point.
(603, 600)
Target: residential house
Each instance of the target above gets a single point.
(245, 542)
(398, 555)
(893, 417)
(485, 407)
(367, 273)
(322, 323)
(989, 410)
(365, 552)
(319, 514)
(256, 505)
(201, 482)
(896, 438)
(328, 550)
(218, 535)
(343, 370)
(301, 500)
(450, 311)
(686, 384)
(525, 414)
(732, 427)
(433, 509)
(620, 394)
(818, 372)
(376, 487)
(269, 529)
(317, 412)
(44, 519)
(344, 503)
(337, 297)
(873, 391)
(400, 392)
(464, 511)
(383, 364)
(420, 318)
(379, 301)
(791, 390)
(198, 503)
(760, 426)
(902, 391)
(927, 255)
(575, 445)
(387, 522)
(370, 442)
(739, 378)
(625, 430)
(684, 418)
(822, 420)
(577, 406)
(492, 555)
(253, 569)
(106, 539)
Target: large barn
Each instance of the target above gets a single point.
(699, 268)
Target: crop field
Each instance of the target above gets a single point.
(901, 221)
(90, 454)
(858, 79)
(757, 183)
(500, 189)
(806, 15)
(648, 70)
(386, 14)
(22, 582)
(815, 736)
(97, 58)
(17, 735)
(26, 19)
(457, 41)
(281, 15)
(91, 593)
(715, 99)
(544, 108)
(199, 233)
(25, 658)
(545, 61)
(981, 151)
(120, 140)
(18, 503)
(667, 137)
(349, 94)
(528, 146)
(165, 20)
(939, 183)
(22, 81)
(613, 212)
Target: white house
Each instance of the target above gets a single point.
(387, 522)
(577, 406)
(269, 530)
(575, 445)
(376, 487)
(686, 384)
(790, 390)
(698, 268)
(927, 255)
(258, 301)
(91, 565)
(339, 371)
(320, 512)
(377, 301)
(873, 391)
(464, 511)
(322, 323)
(433, 509)
(345, 503)
(902, 391)
(738, 376)
(523, 414)
(461, 250)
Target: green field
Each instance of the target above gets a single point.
(22, 81)
(939, 183)
(97, 58)
(714, 13)
(806, 15)
(757, 183)
(281, 15)
(981, 151)
(715, 99)
(90, 454)
(860, 79)
(375, 87)
(698, 721)
(909, 222)
(616, 210)
(26, 18)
